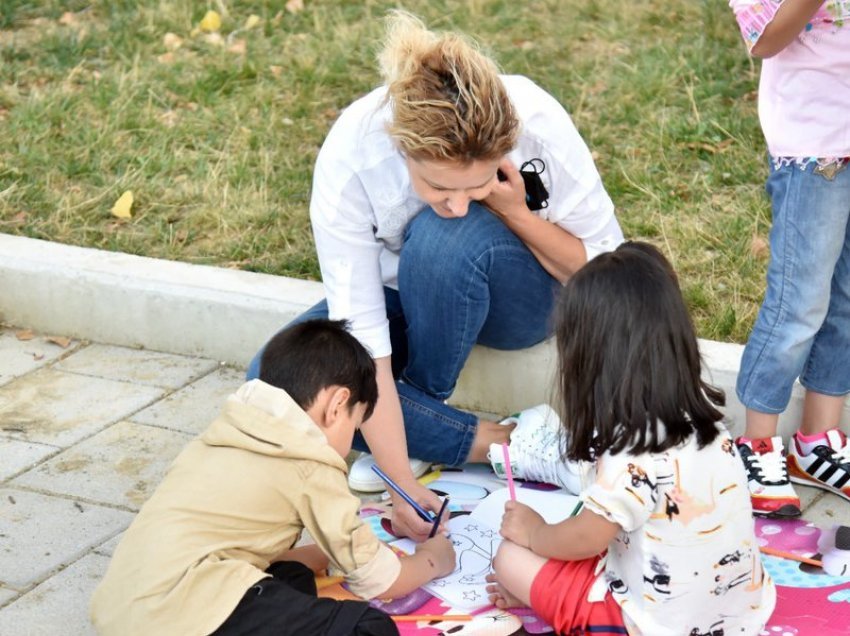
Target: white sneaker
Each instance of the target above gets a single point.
(536, 449)
(361, 476)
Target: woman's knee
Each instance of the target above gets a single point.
(432, 241)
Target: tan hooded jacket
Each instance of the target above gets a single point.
(234, 499)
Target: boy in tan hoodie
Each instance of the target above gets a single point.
(211, 551)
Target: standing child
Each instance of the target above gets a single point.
(803, 327)
(211, 551)
(669, 501)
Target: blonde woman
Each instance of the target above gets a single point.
(430, 240)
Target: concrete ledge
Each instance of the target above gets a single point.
(227, 315)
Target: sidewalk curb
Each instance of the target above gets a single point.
(224, 314)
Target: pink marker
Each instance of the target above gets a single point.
(510, 475)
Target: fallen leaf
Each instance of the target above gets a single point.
(122, 206)
(24, 334)
(172, 41)
(251, 22)
(214, 38)
(68, 18)
(166, 58)
(276, 70)
(758, 246)
(169, 118)
(286, 121)
(62, 341)
(278, 17)
(238, 47)
(295, 6)
(211, 22)
(19, 218)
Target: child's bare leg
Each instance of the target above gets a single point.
(515, 570)
(488, 433)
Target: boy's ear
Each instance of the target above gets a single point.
(337, 404)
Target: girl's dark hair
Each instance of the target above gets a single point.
(629, 364)
(309, 356)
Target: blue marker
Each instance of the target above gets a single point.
(419, 509)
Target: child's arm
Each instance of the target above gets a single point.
(310, 555)
(433, 558)
(790, 19)
(580, 537)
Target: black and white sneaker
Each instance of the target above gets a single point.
(826, 465)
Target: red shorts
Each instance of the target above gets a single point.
(559, 596)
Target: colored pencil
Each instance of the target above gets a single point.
(791, 556)
(439, 516)
(508, 472)
(577, 509)
(412, 618)
(419, 509)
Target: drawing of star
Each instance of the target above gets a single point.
(469, 579)
(488, 534)
(471, 527)
(439, 582)
(471, 595)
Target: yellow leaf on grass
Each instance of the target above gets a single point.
(251, 22)
(122, 206)
(295, 6)
(211, 22)
(172, 41)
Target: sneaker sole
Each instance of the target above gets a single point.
(798, 475)
(788, 511)
(378, 485)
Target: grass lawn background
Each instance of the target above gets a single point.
(216, 137)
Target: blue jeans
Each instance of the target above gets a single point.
(803, 327)
(461, 282)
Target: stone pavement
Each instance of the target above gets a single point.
(86, 432)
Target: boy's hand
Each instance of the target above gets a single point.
(406, 522)
(440, 553)
(519, 523)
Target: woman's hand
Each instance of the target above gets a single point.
(519, 523)
(507, 198)
(406, 521)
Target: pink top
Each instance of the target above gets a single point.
(804, 92)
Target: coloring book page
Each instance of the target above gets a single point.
(476, 538)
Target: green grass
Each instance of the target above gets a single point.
(218, 147)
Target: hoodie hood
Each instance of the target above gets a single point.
(263, 419)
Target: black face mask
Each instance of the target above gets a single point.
(536, 195)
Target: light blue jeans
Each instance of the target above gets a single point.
(803, 327)
(461, 282)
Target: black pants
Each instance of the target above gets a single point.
(287, 604)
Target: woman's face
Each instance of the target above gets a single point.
(449, 187)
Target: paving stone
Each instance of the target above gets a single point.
(40, 533)
(59, 605)
(6, 595)
(192, 408)
(16, 455)
(18, 357)
(809, 495)
(108, 548)
(139, 366)
(57, 408)
(120, 465)
(828, 511)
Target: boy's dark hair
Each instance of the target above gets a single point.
(628, 359)
(309, 356)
